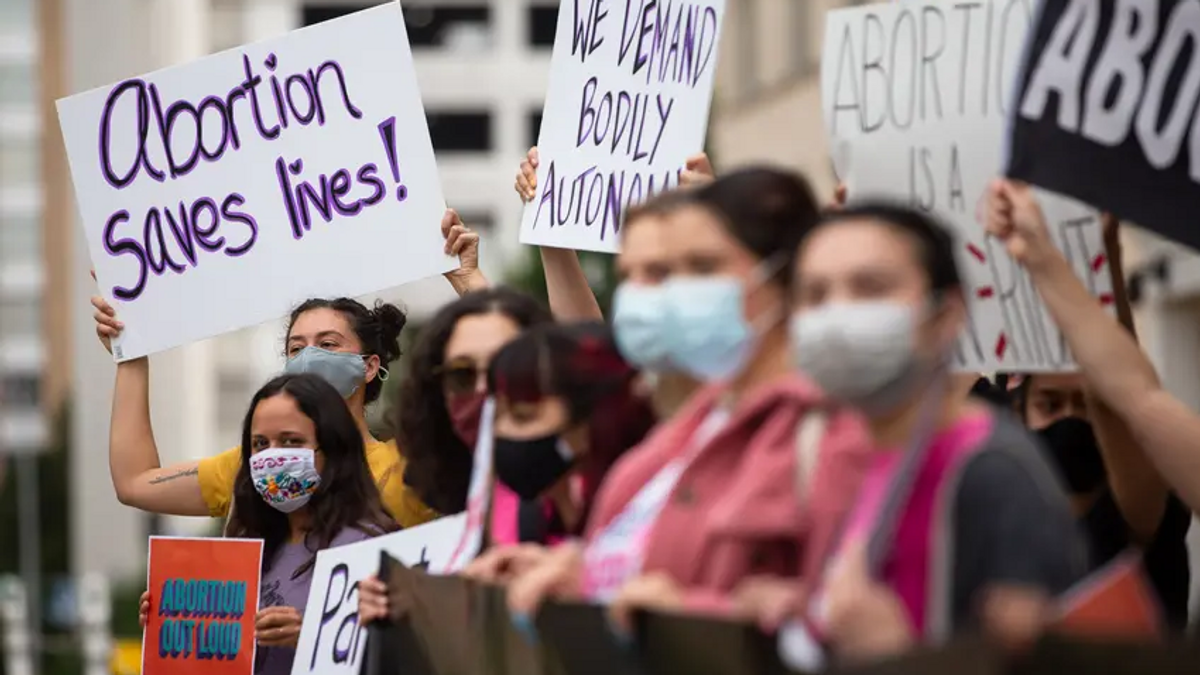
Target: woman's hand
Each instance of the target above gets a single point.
(864, 619)
(1015, 218)
(107, 326)
(697, 171)
(144, 609)
(559, 574)
(839, 198)
(372, 601)
(464, 244)
(655, 591)
(768, 601)
(501, 565)
(526, 184)
(278, 626)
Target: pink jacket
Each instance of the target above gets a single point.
(735, 511)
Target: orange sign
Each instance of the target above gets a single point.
(203, 598)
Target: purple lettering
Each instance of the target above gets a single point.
(125, 246)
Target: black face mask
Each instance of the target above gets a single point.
(1074, 450)
(529, 467)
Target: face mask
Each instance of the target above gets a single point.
(1073, 449)
(285, 477)
(639, 324)
(529, 467)
(707, 334)
(342, 370)
(465, 411)
(860, 353)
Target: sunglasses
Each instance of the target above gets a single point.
(461, 377)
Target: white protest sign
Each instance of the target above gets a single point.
(331, 641)
(219, 194)
(915, 96)
(479, 494)
(627, 104)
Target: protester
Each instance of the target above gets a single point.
(1120, 377)
(711, 496)
(438, 408)
(566, 410)
(303, 486)
(438, 411)
(340, 339)
(958, 503)
(642, 263)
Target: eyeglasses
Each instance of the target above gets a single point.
(461, 377)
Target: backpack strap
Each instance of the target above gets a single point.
(809, 434)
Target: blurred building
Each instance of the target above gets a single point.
(23, 267)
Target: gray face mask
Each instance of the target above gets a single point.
(346, 372)
(862, 353)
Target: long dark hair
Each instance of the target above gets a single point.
(439, 463)
(378, 331)
(581, 364)
(347, 496)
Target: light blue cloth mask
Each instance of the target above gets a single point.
(640, 325)
(345, 371)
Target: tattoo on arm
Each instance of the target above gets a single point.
(157, 480)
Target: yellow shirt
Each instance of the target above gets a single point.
(387, 466)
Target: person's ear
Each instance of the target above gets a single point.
(373, 366)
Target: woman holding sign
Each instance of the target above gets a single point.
(303, 486)
(349, 344)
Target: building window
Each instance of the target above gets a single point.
(20, 240)
(480, 221)
(429, 25)
(20, 391)
(16, 83)
(19, 316)
(20, 159)
(535, 127)
(543, 24)
(460, 131)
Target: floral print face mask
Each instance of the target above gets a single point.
(285, 477)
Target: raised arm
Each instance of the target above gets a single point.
(570, 294)
(1137, 487)
(1117, 371)
(463, 243)
(138, 476)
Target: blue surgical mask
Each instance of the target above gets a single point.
(640, 323)
(707, 334)
(345, 371)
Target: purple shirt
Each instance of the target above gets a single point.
(280, 589)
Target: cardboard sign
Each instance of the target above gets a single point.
(331, 641)
(1106, 110)
(1116, 602)
(203, 599)
(914, 95)
(628, 101)
(291, 168)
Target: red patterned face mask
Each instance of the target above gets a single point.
(465, 411)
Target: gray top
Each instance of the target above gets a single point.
(1011, 523)
(281, 589)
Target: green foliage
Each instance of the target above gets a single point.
(527, 275)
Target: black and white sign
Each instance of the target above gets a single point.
(1107, 109)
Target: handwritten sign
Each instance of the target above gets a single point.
(331, 641)
(1106, 110)
(915, 96)
(291, 168)
(628, 101)
(203, 598)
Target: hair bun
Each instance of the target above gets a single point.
(391, 320)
